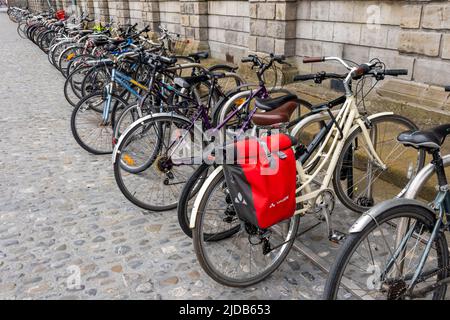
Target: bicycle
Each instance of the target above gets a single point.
(398, 249)
(143, 159)
(234, 111)
(251, 254)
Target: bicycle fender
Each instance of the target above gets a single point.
(201, 194)
(138, 122)
(371, 117)
(374, 212)
(413, 188)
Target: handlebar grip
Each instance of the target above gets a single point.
(247, 59)
(304, 77)
(396, 72)
(313, 59)
(447, 88)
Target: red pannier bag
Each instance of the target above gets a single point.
(262, 179)
(60, 14)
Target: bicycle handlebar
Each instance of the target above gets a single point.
(395, 72)
(313, 59)
(319, 77)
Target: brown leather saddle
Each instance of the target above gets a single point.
(278, 110)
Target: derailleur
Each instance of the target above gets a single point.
(258, 236)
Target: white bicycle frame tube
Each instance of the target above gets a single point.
(348, 120)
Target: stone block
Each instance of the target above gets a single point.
(320, 10)
(390, 12)
(304, 29)
(286, 11)
(276, 29)
(281, 29)
(346, 32)
(285, 47)
(359, 54)
(253, 9)
(251, 43)
(189, 32)
(360, 11)
(374, 38)
(184, 20)
(410, 17)
(424, 96)
(265, 44)
(425, 43)
(217, 7)
(201, 34)
(266, 11)
(258, 27)
(446, 47)
(304, 10)
(246, 25)
(393, 36)
(198, 21)
(308, 48)
(432, 71)
(322, 30)
(341, 11)
(436, 16)
(331, 49)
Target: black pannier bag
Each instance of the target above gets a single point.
(262, 179)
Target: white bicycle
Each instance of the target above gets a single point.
(356, 154)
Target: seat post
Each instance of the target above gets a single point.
(439, 167)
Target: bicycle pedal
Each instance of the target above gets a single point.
(337, 236)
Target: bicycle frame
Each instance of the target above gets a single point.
(347, 117)
(203, 113)
(124, 81)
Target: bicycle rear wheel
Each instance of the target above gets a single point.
(362, 269)
(230, 251)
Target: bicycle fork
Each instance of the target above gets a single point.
(107, 104)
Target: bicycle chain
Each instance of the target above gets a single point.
(422, 279)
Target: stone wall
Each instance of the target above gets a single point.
(228, 29)
(404, 34)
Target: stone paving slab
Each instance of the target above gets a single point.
(63, 219)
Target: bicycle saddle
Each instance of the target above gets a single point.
(428, 139)
(100, 42)
(116, 41)
(273, 103)
(84, 32)
(279, 115)
(187, 82)
(199, 55)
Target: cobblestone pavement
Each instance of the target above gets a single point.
(61, 212)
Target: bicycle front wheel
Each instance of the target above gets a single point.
(367, 266)
(154, 160)
(88, 126)
(358, 181)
